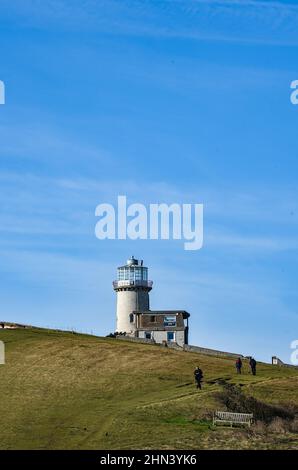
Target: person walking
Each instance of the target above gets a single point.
(198, 373)
(253, 365)
(238, 365)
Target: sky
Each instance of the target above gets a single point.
(164, 101)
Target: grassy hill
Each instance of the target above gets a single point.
(68, 391)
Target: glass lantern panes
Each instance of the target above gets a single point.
(133, 273)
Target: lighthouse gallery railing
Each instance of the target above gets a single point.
(126, 283)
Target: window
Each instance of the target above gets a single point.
(132, 273)
(131, 318)
(170, 336)
(148, 334)
(152, 319)
(145, 274)
(169, 321)
(138, 274)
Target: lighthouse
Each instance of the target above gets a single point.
(134, 317)
(132, 288)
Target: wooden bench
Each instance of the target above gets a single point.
(225, 417)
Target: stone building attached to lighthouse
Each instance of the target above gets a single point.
(134, 317)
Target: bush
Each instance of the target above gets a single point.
(259, 428)
(114, 335)
(111, 335)
(279, 426)
(294, 425)
(235, 400)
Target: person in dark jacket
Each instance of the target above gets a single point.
(238, 365)
(198, 373)
(253, 365)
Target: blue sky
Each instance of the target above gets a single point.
(163, 101)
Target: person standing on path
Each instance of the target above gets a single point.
(198, 373)
(253, 366)
(238, 365)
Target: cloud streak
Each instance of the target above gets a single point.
(32, 206)
(235, 21)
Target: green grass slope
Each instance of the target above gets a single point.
(67, 391)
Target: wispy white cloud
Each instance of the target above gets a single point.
(249, 21)
(251, 220)
(56, 290)
(54, 270)
(34, 141)
(251, 243)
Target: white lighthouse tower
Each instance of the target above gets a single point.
(132, 288)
